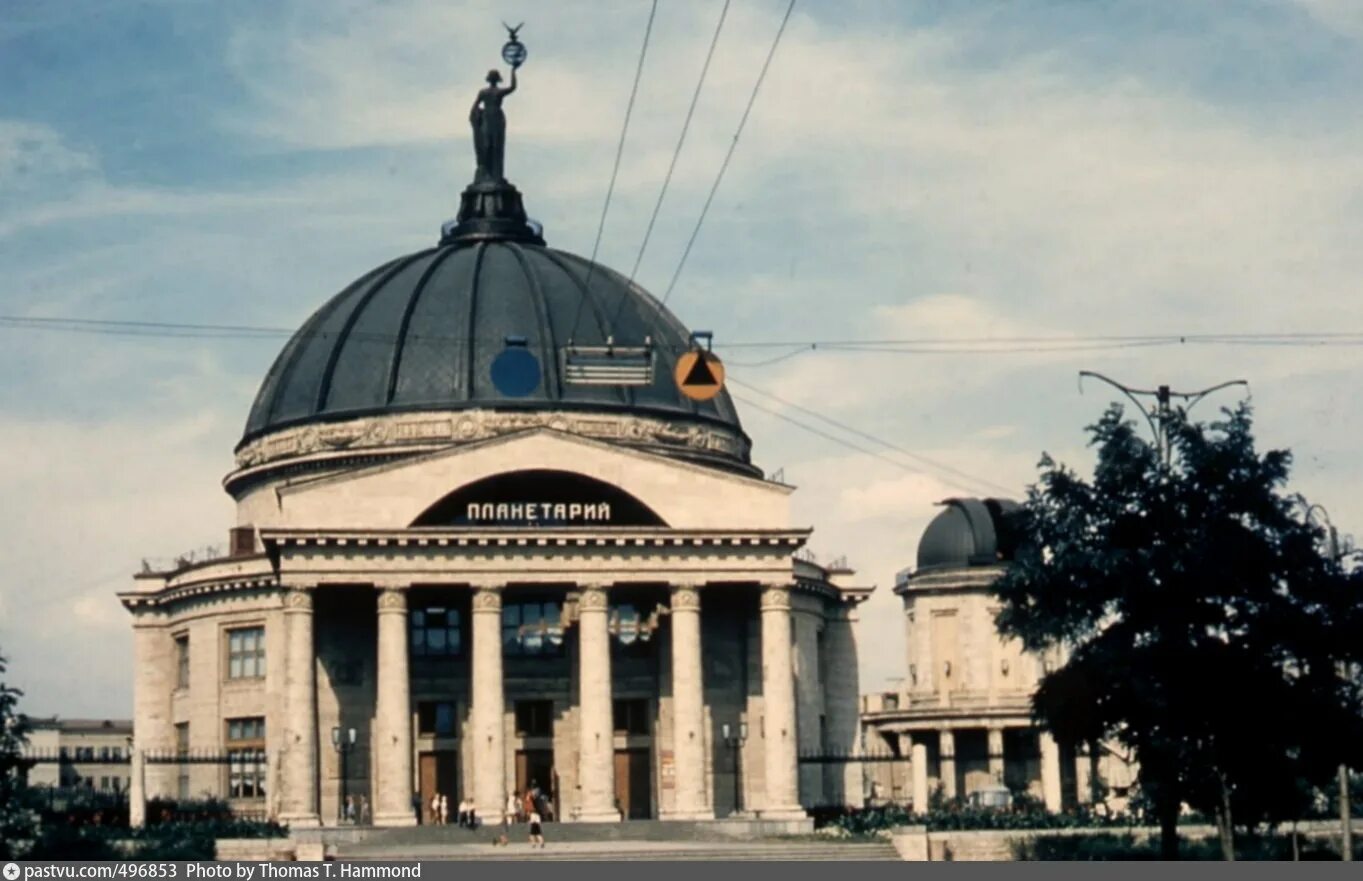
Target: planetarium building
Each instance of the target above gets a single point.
(486, 541)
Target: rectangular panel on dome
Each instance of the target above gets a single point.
(607, 365)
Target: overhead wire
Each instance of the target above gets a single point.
(615, 169)
(681, 141)
(918, 346)
(843, 426)
(733, 145)
(785, 417)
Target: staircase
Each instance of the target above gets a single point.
(638, 840)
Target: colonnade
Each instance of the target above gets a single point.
(392, 736)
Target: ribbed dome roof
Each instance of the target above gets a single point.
(421, 332)
(968, 532)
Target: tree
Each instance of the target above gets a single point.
(1200, 623)
(17, 822)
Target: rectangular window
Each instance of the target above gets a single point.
(631, 634)
(246, 758)
(631, 716)
(535, 718)
(532, 629)
(436, 718)
(435, 632)
(246, 653)
(182, 661)
(182, 769)
(104, 784)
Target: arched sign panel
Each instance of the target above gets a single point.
(538, 499)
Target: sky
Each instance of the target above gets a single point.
(992, 169)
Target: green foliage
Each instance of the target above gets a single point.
(189, 840)
(18, 821)
(1105, 847)
(957, 815)
(1202, 625)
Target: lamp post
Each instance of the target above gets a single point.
(734, 738)
(344, 741)
(1337, 555)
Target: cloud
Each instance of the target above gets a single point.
(32, 153)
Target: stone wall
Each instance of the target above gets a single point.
(916, 844)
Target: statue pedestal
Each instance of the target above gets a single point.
(491, 209)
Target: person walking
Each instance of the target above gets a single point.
(508, 817)
(444, 810)
(536, 830)
(364, 819)
(435, 809)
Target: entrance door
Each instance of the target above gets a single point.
(633, 789)
(439, 772)
(535, 767)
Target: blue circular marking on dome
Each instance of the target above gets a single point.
(516, 372)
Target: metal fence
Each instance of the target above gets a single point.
(866, 777)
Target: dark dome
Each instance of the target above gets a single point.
(421, 332)
(968, 532)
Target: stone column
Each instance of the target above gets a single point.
(997, 762)
(154, 668)
(596, 731)
(1050, 771)
(842, 783)
(781, 762)
(298, 796)
(137, 790)
(1083, 775)
(919, 752)
(947, 751)
(688, 708)
(488, 722)
(392, 753)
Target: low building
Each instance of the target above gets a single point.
(961, 719)
(88, 753)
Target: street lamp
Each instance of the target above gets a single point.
(734, 738)
(344, 741)
(1337, 555)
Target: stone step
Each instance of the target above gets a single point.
(634, 851)
(632, 830)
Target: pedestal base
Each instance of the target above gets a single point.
(300, 821)
(403, 819)
(690, 816)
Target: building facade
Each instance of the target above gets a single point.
(485, 542)
(961, 721)
(86, 753)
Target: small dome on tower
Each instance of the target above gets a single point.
(968, 532)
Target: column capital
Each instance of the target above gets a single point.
(298, 599)
(685, 598)
(776, 595)
(593, 598)
(487, 599)
(392, 600)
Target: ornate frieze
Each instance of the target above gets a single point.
(409, 429)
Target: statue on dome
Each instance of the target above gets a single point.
(487, 118)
